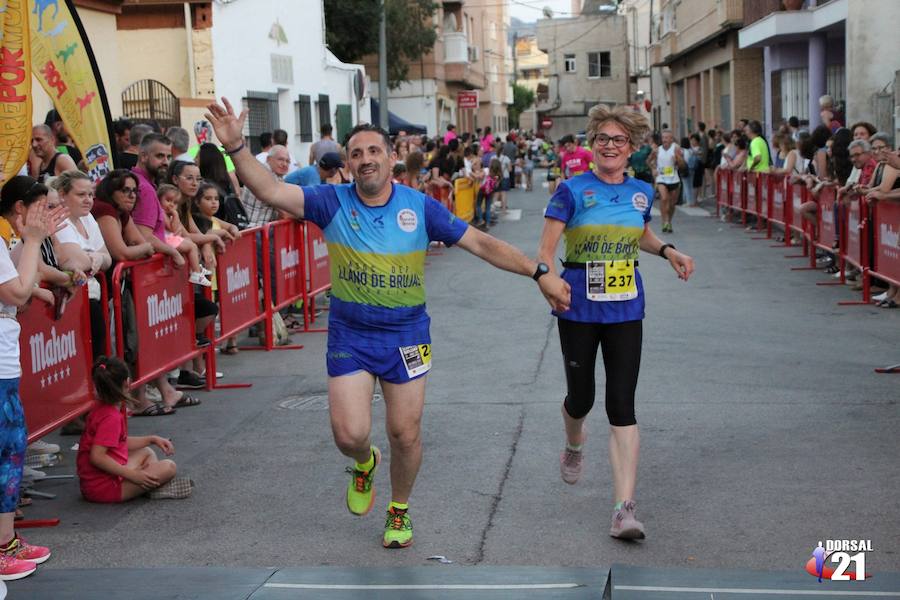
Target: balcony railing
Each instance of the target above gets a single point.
(456, 48)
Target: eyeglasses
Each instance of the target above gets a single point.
(129, 191)
(617, 140)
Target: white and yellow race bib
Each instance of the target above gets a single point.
(416, 359)
(611, 280)
(668, 171)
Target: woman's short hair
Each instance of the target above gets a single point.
(634, 124)
(64, 182)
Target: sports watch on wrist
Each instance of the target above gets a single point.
(662, 249)
(542, 269)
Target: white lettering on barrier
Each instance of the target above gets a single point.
(828, 216)
(163, 309)
(290, 258)
(236, 278)
(888, 236)
(320, 249)
(46, 354)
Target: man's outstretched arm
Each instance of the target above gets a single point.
(229, 130)
(509, 258)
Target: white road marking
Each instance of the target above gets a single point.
(764, 592)
(446, 586)
(512, 214)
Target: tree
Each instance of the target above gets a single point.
(351, 32)
(523, 99)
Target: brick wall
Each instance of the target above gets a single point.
(757, 9)
(747, 84)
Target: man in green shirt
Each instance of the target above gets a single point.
(758, 156)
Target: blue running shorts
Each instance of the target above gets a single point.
(388, 363)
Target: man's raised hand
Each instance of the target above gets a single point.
(228, 126)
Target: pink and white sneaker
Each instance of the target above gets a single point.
(30, 552)
(624, 524)
(570, 462)
(11, 568)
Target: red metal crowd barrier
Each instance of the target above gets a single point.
(779, 213)
(855, 245)
(57, 353)
(737, 190)
(237, 280)
(723, 189)
(797, 194)
(318, 273)
(885, 218)
(751, 195)
(163, 304)
(56, 357)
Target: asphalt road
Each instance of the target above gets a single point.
(764, 431)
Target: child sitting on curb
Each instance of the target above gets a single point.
(116, 467)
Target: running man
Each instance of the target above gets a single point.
(377, 234)
(668, 158)
(819, 554)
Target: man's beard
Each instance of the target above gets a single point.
(370, 188)
(157, 176)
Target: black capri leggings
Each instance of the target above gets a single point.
(621, 345)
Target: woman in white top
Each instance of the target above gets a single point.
(81, 242)
(794, 163)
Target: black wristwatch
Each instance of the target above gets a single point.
(542, 269)
(662, 249)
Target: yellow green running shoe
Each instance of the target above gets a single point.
(398, 529)
(361, 489)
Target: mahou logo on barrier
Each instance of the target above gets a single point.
(163, 313)
(164, 307)
(320, 263)
(238, 284)
(52, 352)
(889, 240)
(288, 240)
(56, 362)
(887, 258)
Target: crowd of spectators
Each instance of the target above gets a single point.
(856, 162)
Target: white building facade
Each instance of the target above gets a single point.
(272, 58)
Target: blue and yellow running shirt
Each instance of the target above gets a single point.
(604, 222)
(377, 256)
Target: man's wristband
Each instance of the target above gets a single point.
(662, 249)
(235, 151)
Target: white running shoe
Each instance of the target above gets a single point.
(198, 278)
(42, 447)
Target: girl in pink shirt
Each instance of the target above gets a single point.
(116, 467)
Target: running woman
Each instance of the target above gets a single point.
(604, 216)
(377, 234)
(669, 159)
